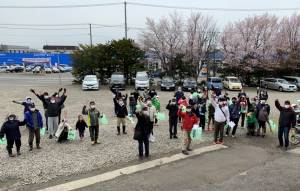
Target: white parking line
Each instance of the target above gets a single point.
(130, 170)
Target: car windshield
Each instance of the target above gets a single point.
(117, 77)
(142, 78)
(216, 80)
(234, 80)
(283, 81)
(90, 78)
(190, 81)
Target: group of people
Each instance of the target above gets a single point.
(221, 113)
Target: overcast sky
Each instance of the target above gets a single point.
(110, 15)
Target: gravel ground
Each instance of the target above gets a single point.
(75, 157)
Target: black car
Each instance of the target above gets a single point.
(189, 84)
(117, 81)
(167, 83)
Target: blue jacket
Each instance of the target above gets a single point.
(29, 119)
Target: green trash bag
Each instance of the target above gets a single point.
(161, 116)
(272, 124)
(103, 120)
(196, 133)
(3, 141)
(130, 119)
(43, 131)
(71, 135)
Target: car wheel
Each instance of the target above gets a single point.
(280, 89)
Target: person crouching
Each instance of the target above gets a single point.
(34, 123)
(11, 129)
(189, 119)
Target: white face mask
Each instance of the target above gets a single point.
(173, 102)
(188, 110)
(121, 103)
(46, 97)
(29, 101)
(11, 118)
(148, 102)
(52, 101)
(287, 106)
(92, 106)
(32, 109)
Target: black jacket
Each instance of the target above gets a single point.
(121, 111)
(11, 129)
(53, 108)
(287, 116)
(173, 109)
(81, 125)
(43, 100)
(143, 126)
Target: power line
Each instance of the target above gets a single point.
(30, 28)
(212, 9)
(58, 6)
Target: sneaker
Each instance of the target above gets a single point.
(175, 137)
(38, 147)
(232, 136)
(96, 142)
(18, 153)
(189, 149)
(93, 142)
(279, 146)
(124, 132)
(11, 155)
(30, 149)
(285, 148)
(263, 136)
(221, 142)
(50, 136)
(185, 152)
(226, 135)
(118, 133)
(215, 142)
(171, 136)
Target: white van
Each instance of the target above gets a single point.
(142, 80)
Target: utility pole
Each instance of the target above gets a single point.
(91, 36)
(125, 12)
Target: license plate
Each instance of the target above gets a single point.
(168, 88)
(190, 88)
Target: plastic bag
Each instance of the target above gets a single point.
(71, 135)
(43, 131)
(151, 138)
(272, 125)
(103, 120)
(196, 133)
(130, 119)
(161, 116)
(3, 141)
(183, 109)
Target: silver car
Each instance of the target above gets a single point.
(278, 84)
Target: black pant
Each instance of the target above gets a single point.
(151, 124)
(202, 122)
(81, 133)
(94, 132)
(46, 118)
(283, 131)
(144, 142)
(173, 126)
(251, 129)
(10, 144)
(219, 131)
(34, 133)
(243, 115)
(236, 121)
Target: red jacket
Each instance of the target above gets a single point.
(183, 102)
(188, 120)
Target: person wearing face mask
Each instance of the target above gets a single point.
(26, 103)
(11, 130)
(58, 99)
(92, 121)
(122, 112)
(34, 123)
(53, 109)
(189, 119)
(222, 117)
(173, 118)
(234, 111)
(179, 94)
(152, 93)
(44, 99)
(287, 120)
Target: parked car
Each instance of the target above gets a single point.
(232, 83)
(48, 70)
(167, 83)
(90, 82)
(142, 80)
(189, 84)
(55, 70)
(215, 82)
(3, 69)
(29, 68)
(293, 80)
(37, 69)
(278, 84)
(117, 81)
(15, 68)
(66, 68)
(61, 69)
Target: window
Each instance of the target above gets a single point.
(234, 80)
(216, 80)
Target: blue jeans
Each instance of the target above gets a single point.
(283, 131)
